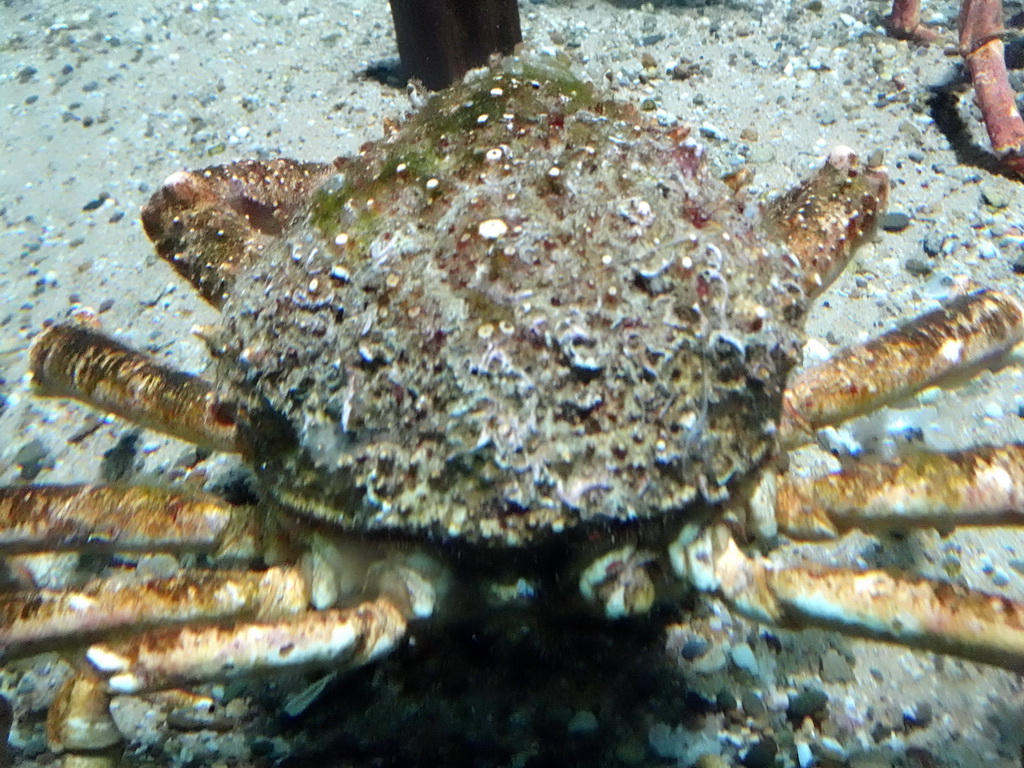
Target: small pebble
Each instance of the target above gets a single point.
(725, 700)
(694, 648)
(835, 668)
(808, 702)
(894, 221)
(92, 205)
(743, 657)
(753, 705)
(918, 717)
(995, 196)
(987, 250)
(803, 754)
(918, 267)
(197, 720)
(32, 458)
(711, 662)
(761, 755)
(932, 244)
(761, 154)
(833, 749)
(582, 722)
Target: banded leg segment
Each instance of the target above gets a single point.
(79, 721)
(81, 363)
(970, 332)
(109, 518)
(981, 44)
(917, 613)
(183, 656)
(984, 486)
(38, 620)
(825, 217)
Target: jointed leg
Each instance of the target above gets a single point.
(981, 30)
(939, 617)
(969, 333)
(981, 45)
(983, 486)
(905, 22)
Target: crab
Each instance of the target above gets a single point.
(981, 45)
(524, 349)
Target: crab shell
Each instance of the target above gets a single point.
(530, 310)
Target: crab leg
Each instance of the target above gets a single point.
(822, 219)
(80, 718)
(981, 45)
(37, 620)
(934, 616)
(981, 29)
(984, 486)
(76, 361)
(905, 22)
(187, 655)
(36, 518)
(968, 333)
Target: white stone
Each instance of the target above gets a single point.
(803, 754)
(492, 229)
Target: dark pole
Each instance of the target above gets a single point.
(438, 40)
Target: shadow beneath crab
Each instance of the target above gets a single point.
(533, 691)
(516, 691)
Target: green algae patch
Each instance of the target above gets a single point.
(431, 149)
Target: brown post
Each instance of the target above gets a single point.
(439, 40)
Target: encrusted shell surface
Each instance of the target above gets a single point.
(529, 309)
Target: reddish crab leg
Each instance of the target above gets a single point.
(905, 22)
(981, 45)
(970, 332)
(984, 486)
(981, 29)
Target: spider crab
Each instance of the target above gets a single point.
(981, 45)
(524, 348)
